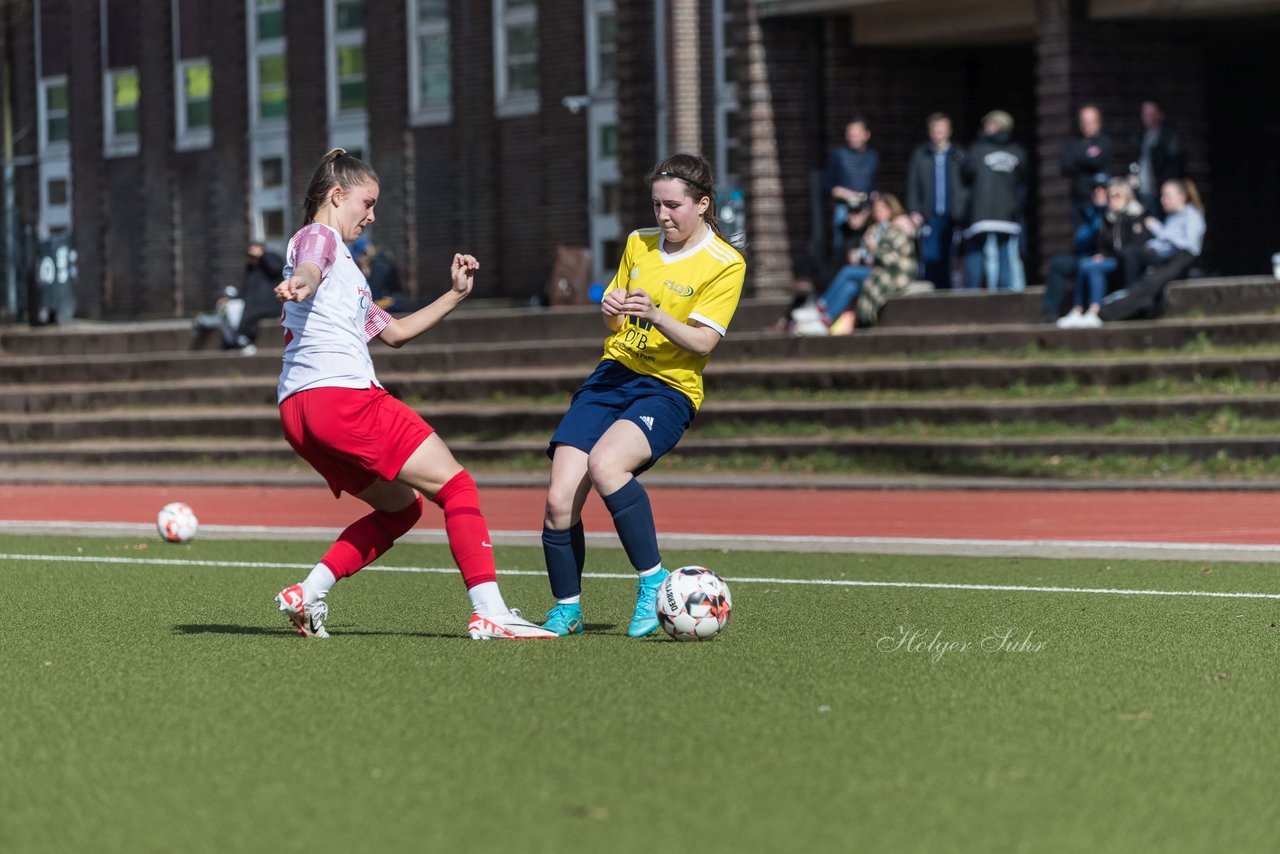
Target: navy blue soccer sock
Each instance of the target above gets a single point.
(578, 539)
(563, 567)
(633, 518)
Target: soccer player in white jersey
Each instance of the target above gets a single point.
(666, 309)
(358, 437)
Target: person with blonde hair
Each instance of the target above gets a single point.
(1121, 235)
(1174, 246)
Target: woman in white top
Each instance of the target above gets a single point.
(339, 419)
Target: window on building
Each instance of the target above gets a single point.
(268, 76)
(430, 73)
(269, 19)
(195, 99)
(121, 101)
(268, 82)
(604, 36)
(348, 95)
(53, 118)
(515, 56)
(192, 75)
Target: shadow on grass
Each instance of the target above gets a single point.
(222, 629)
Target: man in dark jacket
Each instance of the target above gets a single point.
(1160, 155)
(263, 271)
(935, 198)
(995, 174)
(1086, 160)
(850, 178)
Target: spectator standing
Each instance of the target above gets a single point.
(935, 198)
(850, 177)
(995, 176)
(1086, 159)
(1161, 156)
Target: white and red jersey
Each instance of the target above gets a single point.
(327, 335)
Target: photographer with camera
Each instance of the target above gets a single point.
(850, 178)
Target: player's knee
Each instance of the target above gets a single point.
(606, 472)
(400, 522)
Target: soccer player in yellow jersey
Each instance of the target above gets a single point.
(666, 309)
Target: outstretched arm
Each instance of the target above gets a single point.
(302, 284)
(402, 330)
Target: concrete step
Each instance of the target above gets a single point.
(494, 422)
(580, 354)
(556, 384)
(1193, 297)
(921, 454)
(481, 324)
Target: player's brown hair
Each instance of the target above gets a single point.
(698, 180)
(336, 169)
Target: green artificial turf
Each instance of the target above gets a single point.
(148, 706)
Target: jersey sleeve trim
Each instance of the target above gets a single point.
(315, 244)
(375, 321)
(706, 321)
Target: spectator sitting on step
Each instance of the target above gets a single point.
(844, 287)
(1174, 246)
(1065, 268)
(1116, 256)
(264, 270)
(891, 243)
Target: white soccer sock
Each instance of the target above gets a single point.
(486, 599)
(569, 600)
(317, 584)
(649, 572)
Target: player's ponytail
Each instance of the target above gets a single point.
(698, 179)
(336, 169)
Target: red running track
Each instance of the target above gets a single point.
(1176, 517)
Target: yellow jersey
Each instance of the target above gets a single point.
(701, 282)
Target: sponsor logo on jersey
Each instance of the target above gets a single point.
(676, 287)
(635, 273)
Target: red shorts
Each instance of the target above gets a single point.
(352, 436)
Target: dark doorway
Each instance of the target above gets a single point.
(1244, 146)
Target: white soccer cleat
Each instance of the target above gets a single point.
(508, 626)
(308, 620)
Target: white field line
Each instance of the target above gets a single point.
(818, 582)
(778, 542)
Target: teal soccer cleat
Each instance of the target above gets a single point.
(645, 620)
(564, 620)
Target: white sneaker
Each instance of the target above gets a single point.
(1089, 320)
(1070, 320)
(509, 626)
(307, 619)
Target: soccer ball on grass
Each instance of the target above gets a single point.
(176, 523)
(693, 604)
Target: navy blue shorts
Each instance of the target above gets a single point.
(614, 392)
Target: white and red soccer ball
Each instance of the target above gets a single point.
(693, 604)
(177, 523)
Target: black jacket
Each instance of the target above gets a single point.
(920, 180)
(995, 173)
(1168, 158)
(1081, 166)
